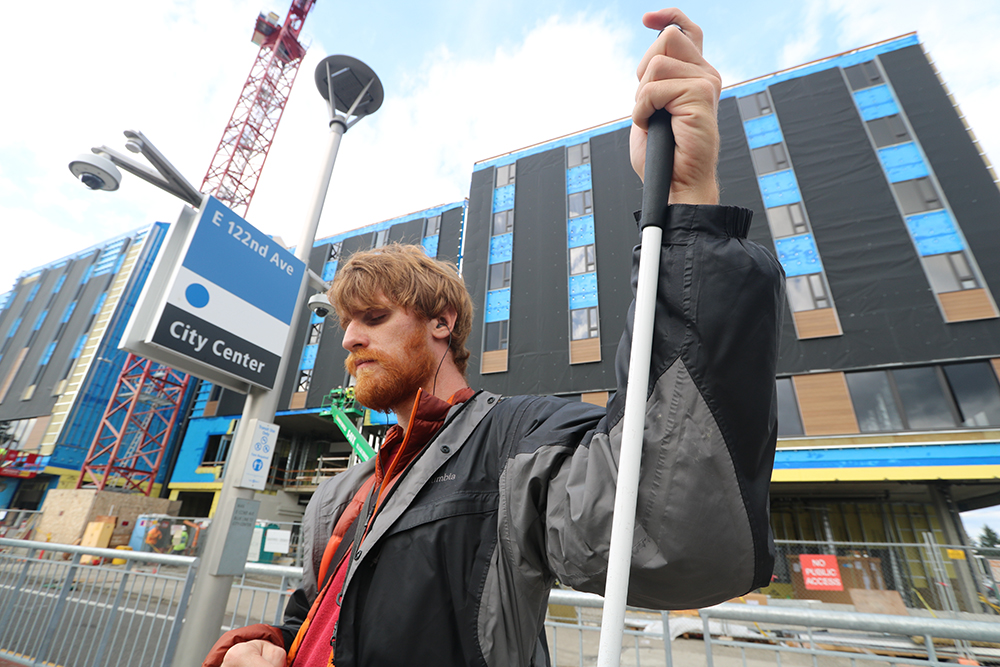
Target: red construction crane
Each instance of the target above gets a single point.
(137, 424)
(232, 176)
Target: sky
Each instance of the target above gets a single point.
(464, 80)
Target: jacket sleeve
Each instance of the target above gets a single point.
(702, 532)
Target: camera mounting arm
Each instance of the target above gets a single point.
(166, 177)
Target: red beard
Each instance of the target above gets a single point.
(393, 380)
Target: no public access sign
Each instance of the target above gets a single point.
(821, 572)
(222, 298)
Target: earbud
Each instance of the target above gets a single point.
(441, 323)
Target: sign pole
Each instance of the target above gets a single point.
(214, 580)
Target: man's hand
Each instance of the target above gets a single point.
(674, 75)
(254, 653)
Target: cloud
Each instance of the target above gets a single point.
(419, 149)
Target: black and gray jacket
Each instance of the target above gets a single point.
(513, 494)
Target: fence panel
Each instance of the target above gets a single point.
(926, 575)
(61, 604)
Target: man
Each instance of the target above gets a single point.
(442, 549)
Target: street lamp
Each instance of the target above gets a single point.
(352, 91)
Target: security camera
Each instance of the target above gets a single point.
(96, 171)
(319, 304)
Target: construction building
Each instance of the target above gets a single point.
(867, 185)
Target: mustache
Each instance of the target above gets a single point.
(355, 358)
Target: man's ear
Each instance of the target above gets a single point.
(443, 323)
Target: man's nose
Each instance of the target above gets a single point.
(354, 337)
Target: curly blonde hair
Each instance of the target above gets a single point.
(407, 277)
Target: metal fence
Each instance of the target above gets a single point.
(18, 524)
(803, 636)
(56, 608)
(929, 576)
(60, 605)
(260, 595)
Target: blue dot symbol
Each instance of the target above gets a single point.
(196, 295)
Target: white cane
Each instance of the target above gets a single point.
(656, 189)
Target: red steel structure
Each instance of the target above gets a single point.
(131, 439)
(133, 435)
(239, 159)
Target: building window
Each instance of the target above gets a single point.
(334, 251)
(304, 380)
(923, 395)
(581, 203)
(789, 421)
(874, 401)
(582, 260)
(584, 323)
(949, 272)
(577, 155)
(432, 226)
(769, 159)
(503, 222)
(974, 386)
(505, 175)
(381, 238)
(863, 75)
(216, 449)
(888, 131)
(787, 220)
(496, 335)
(807, 292)
(499, 275)
(917, 195)
(752, 106)
(315, 332)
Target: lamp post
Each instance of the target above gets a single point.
(352, 91)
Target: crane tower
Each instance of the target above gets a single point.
(138, 421)
(239, 159)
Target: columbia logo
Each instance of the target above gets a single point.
(447, 477)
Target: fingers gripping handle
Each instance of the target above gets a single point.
(659, 169)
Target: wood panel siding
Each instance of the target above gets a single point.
(825, 404)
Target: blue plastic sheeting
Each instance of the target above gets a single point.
(59, 283)
(876, 102)
(501, 248)
(78, 348)
(578, 179)
(201, 398)
(329, 270)
(934, 233)
(906, 456)
(903, 162)
(503, 198)
(308, 357)
(845, 60)
(779, 189)
(798, 255)
(41, 319)
(580, 231)
(430, 244)
(315, 319)
(583, 291)
(763, 131)
(14, 327)
(47, 355)
(69, 312)
(4, 299)
(498, 305)
(192, 450)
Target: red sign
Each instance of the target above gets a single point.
(820, 572)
